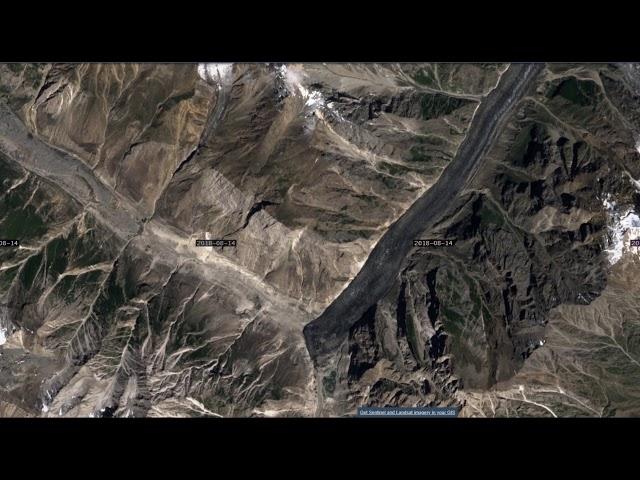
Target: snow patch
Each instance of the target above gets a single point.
(624, 226)
(331, 107)
(219, 73)
(609, 204)
(293, 80)
(3, 336)
(314, 100)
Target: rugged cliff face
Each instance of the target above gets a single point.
(111, 172)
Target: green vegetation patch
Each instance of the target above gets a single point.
(87, 254)
(579, 92)
(7, 276)
(15, 67)
(436, 105)
(489, 214)
(111, 298)
(390, 182)
(453, 320)
(521, 142)
(8, 172)
(392, 168)
(16, 102)
(32, 74)
(72, 287)
(425, 77)
(57, 255)
(477, 302)
(458, 313)
(30, 270)
(368, 199)
(22, 224)
(94, 246)
(19, 220)
(417, 153)
(175, 100)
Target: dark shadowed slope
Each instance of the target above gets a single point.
(374, 279)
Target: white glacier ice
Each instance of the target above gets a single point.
(293, 79)
(219, 73)
(624, 227)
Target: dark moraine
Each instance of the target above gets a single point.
(325, 333)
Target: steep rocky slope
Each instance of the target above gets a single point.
(108, 306)
(521, 306)
(111, 172)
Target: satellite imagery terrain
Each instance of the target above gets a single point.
(319, 239)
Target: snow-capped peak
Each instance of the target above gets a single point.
(624, 227)
(293, 80)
